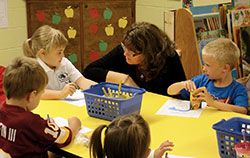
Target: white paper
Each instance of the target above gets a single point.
(76, 102)
(174, 156)
(179, 108)
(76, 99)
(63, 122)
(3, 14)
(78, 95)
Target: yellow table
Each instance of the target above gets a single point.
(193, 137)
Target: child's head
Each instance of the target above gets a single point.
(223, 51)
(126, 136)
(47, 43)
(22, 76)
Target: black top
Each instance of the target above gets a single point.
(116, 61)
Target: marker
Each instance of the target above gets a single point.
(166, 155)
(48, 118)
(76, 87)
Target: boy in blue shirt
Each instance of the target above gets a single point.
(216, 86)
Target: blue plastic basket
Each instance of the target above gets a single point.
(109, 108)
(229, 133)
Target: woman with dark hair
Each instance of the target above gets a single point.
(145, 58)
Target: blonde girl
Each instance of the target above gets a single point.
(47, 45)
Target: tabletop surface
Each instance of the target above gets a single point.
(192, 137)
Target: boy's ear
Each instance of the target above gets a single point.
(41, 52)
(31, 95)
(227, 67)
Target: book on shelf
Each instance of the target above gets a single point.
(204, 9)
(237, 3)
(211, 34)
(240, 18)
(206, 19)
(245, 49)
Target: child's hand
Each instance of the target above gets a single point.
(203, 94)
(189, 85)
(68, 89)
(74, 125)
(165, 146)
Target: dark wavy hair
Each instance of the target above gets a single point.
(127, 136)
(153, 43)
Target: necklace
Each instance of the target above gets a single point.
(142, 76)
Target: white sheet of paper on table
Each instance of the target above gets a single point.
(179, 108)
(174, 156)
(63, 122)
(77, 99)
(78, 95)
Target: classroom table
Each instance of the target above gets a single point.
(192, 137)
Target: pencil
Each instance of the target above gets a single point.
(119, 89)
(48, 118)
(227, 100)
(126, 79)
(110, 93)
(105, 93)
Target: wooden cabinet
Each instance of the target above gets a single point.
(92, 27)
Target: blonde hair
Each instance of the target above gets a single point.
(127, 136)
(45, 37)
(22, 76)
(223, 50)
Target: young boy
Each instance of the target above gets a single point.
(23, 133)
(216, 86)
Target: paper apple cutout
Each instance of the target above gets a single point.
(103, 46)
(107, 14)
(72, 57)
(71, 32)
(56, 18)
(109, 30)
(93, 13)
(40, 15)
(93, 28)
(122, 22)
(93, 55)
(69, 12)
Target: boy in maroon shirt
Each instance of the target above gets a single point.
(23, 133)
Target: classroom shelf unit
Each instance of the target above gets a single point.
(92, 27)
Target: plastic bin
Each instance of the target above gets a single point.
(229, 133)
(108, 108)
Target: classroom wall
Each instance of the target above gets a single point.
(12, 37)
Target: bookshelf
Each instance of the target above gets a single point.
(193, 29)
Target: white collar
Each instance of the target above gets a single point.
(45, 66)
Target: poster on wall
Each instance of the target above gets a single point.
(3, 14)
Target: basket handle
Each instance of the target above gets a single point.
(218, 124)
